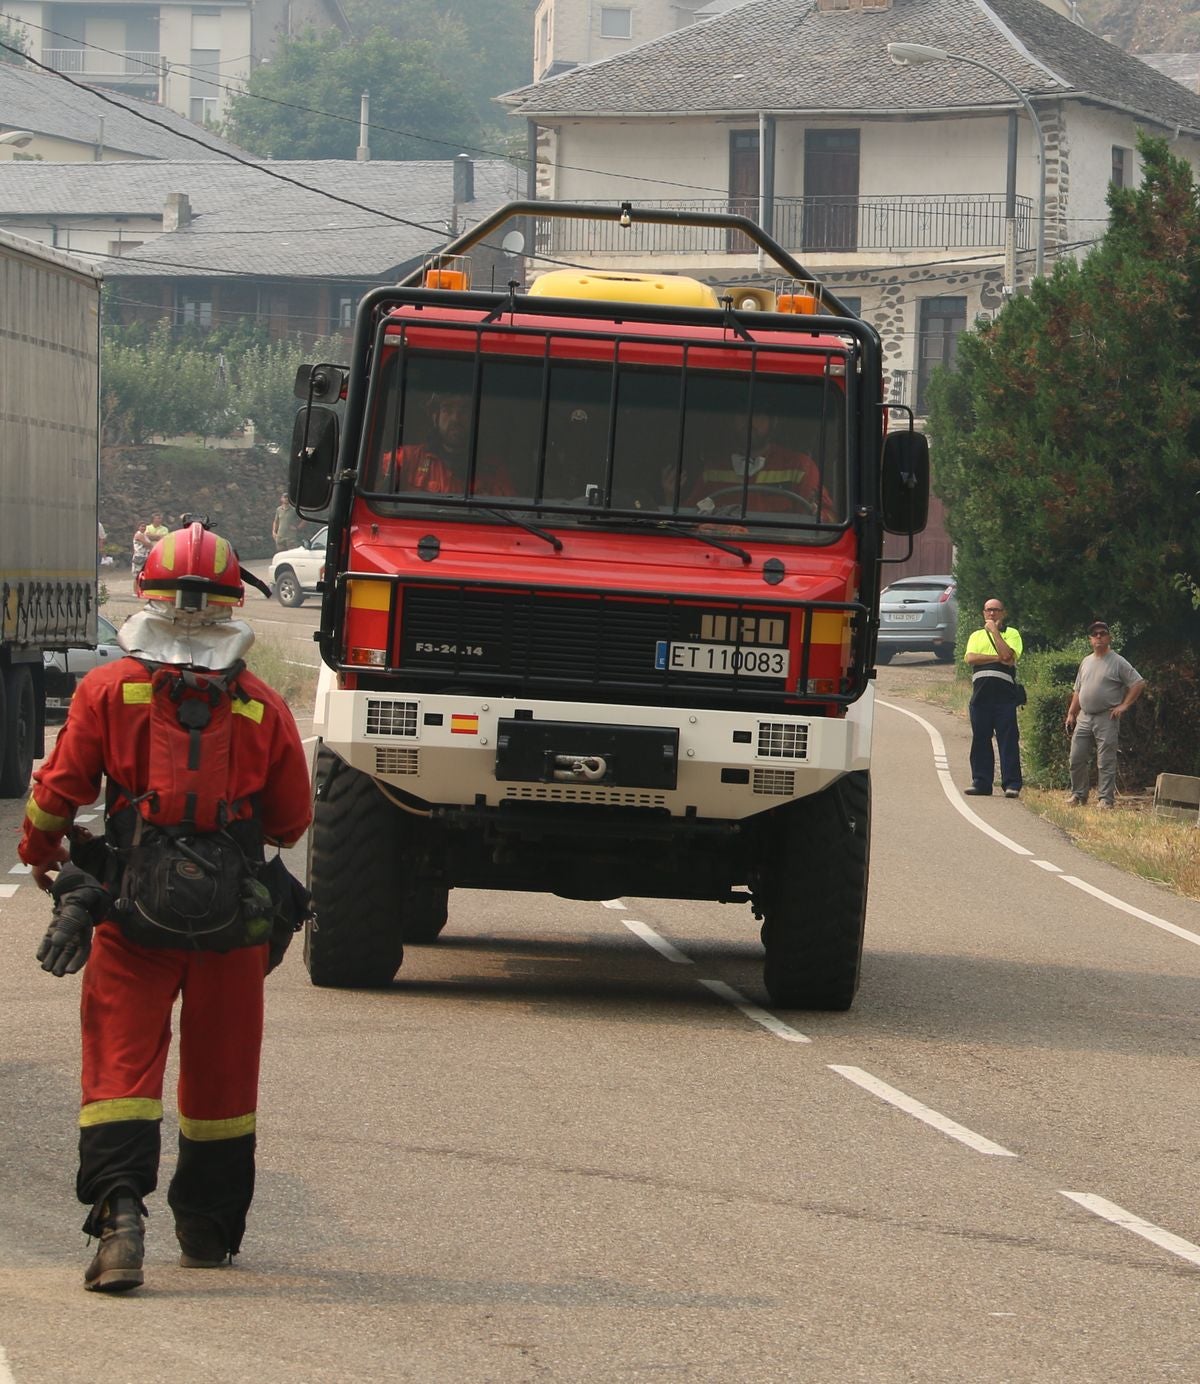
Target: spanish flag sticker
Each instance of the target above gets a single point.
(464, 725)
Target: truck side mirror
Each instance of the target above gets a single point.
(312, 458)
(904, 482)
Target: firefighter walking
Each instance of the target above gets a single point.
(203, 766)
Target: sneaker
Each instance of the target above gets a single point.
(1074, 800)
(201, 1244)
(974, 792)
(1012, 792)
(1104, 805)
(117, 1264)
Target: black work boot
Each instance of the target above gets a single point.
(117, 1264)
(202, 1245)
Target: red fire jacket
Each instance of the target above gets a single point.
(108, 732)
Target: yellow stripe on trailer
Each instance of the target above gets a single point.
(678, 290)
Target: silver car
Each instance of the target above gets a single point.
(295, 572)
(64, 669)
(918, 615)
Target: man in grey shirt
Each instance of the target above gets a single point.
(1106, 686)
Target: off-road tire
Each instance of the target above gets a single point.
(356, 874)
(813, 897)
(18, 731)
(426, 911)
(288, 590)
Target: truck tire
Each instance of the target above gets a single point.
(426, 911)
(814, 897)
(357, 876)
(287, 588)
(18, 732)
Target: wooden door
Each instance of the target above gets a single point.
(831, 190)
(743, 185)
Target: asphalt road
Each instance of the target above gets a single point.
(572, 1143)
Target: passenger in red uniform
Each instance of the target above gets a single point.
(440, 465)
(242, 776)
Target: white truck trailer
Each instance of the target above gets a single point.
(49, 478)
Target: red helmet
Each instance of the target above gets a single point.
(192, 568)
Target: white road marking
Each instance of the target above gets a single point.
(8, 890)
(613, 903)
(939, 760)
(921, 1112)
(6, 1375)
(660, 944)
(1131, 910)
(941, 767)
(20, 869)
(86, 817)
(1110, 1211)
(752, 1011)
(310, 739)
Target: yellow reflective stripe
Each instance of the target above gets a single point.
(136, 693)
(167, 552)
(792, 476)
(251, 708)
(220, 556)
(370, 595)
(233, 1128)
(43, 820)
(125, 1108)
(827, 627)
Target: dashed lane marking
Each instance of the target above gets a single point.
(921, 1112)
(1145, 917)
(8, 890)
(660, 944)
(21, 870)
(612, 903)
(752, 1011)
(1126, 1220)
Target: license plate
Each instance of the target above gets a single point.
(721, 659)
(903, 617)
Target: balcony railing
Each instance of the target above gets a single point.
(814, 225)
(91, 62)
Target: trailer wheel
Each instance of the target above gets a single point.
(18, 730)
(813, 897)
(357, 876)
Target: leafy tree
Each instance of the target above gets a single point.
(13, 34)
(416, 111)
(163, 389)
(263, 379)
(1067, 441)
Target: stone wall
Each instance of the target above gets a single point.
(237, 489)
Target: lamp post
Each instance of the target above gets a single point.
(17, 139)
(911, 54)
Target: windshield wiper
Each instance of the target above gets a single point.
(509, 518)
(669, 526)
(688, 532)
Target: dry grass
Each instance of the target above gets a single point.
(296, 684)
(1132, 837)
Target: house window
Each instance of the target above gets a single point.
(1122, 166)
(202, 110)
(831, 189)
(343, 317)
(854, 304)
(195, 311)
(616, 23)
(942, 322)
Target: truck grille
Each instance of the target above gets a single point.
(526, 639)
(390, 717)
(782, 740)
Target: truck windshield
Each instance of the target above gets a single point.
(679, 435)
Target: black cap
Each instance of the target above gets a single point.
(1097, 626)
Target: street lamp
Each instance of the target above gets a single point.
(18, 139)
(912, 54)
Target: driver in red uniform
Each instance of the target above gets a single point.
(770, 465)
(440, 465)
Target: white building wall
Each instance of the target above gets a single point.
(575, 28)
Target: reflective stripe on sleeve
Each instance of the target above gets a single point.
(43, 820)
(207, 1130)
(125, 1108)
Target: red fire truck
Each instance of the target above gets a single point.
(600, 603)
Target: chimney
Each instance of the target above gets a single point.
(177, 212)
(464, 179)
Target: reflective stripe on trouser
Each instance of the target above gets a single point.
(128, 994)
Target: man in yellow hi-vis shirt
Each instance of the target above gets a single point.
(992, 654)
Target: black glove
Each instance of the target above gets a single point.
(79, 903)
(68, 940)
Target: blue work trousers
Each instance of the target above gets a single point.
(998, 719)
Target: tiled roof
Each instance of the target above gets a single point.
(251, 224)
(781, 56)
(48, 105)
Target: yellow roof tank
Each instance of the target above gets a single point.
(675, 289)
